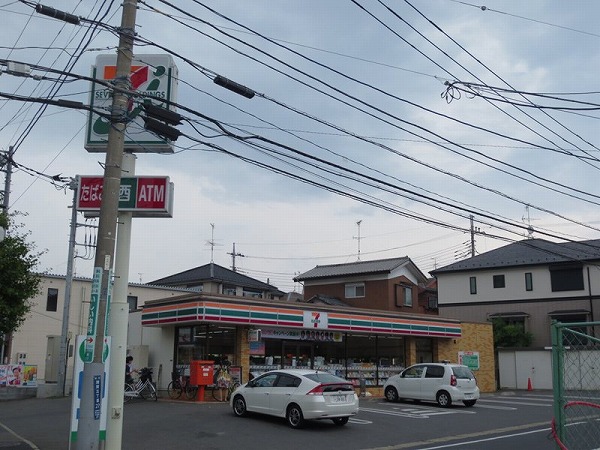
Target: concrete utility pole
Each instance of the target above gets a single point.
(233, 255)
(4, 205)
(64, 336)
(7, 179)
(93, 374)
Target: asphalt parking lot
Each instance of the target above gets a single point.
(497, 421)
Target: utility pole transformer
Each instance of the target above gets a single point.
(88, 431)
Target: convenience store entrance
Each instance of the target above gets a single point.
(297, 354)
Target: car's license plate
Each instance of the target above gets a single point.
(468, 396)
(338, 398)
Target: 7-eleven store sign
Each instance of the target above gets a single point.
(154, 76)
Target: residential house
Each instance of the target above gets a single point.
(215, 279)
(394, 284)
(531, 283)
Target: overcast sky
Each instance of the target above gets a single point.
(366, 115)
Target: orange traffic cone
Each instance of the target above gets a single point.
(529, 387)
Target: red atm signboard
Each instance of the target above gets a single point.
(144, 196)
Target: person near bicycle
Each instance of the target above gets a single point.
(129, 370)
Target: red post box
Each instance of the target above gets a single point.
(201, 375)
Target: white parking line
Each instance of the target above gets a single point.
(359, 421)
(505, 408)
(415, 413)
(511, 402)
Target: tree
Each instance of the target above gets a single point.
(18, 280)
(510, 334)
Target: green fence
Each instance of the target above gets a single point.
(576, 384)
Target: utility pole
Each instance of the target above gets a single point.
(8, 160)
(92, 386)
(233, 255)
(64, 335)
(4, 205)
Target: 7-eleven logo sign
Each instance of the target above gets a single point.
(315, 320)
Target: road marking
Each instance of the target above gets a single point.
(359, 421)
(518, 403)
(504, 408)
(31, 444)
(442, 440)
(415, 413)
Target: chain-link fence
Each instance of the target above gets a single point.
(576, 383)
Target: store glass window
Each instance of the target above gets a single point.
(206, 342)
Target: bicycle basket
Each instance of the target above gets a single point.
(175, 375)
(146, 374)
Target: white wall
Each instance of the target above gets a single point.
(517, 368)
(454, 287)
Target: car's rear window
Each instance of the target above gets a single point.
(324, 377)
(463, 372)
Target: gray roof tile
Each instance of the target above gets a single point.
(355, 268)
(528, 252)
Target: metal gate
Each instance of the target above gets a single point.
(576, 385)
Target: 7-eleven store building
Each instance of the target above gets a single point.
(260, 335)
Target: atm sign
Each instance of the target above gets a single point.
(146, 195)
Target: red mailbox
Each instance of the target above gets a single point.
(201, 373)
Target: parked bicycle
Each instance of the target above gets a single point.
(224, 384)
(143, 388)
(181, 384)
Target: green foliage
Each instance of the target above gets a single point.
(510, 334)
(18, 280)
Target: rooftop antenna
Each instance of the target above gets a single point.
(529, 219)
(212, 243)
(358, 239)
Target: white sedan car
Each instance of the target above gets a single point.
(297, 395)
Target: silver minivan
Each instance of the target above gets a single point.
(443, 383)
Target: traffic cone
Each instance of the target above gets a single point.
(529, 387)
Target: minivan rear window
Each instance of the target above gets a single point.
(463, 372)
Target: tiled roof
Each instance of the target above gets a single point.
(214, 272)
(528, 252)
(355, 268)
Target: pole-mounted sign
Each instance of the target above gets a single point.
(154, 79)
(144, 196)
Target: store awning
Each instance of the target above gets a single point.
(245, 313)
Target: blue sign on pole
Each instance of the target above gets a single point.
(97, 396)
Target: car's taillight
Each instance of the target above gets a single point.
(452, 380)
(317, 390)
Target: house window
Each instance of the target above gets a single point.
(566, 279)
(251, 293)
(132, 301)
(355, 290)
(229, 290)
(528, 281)
(52, 299)
(432, 302)
(408, 301)
(473, 285)
(499, 281)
